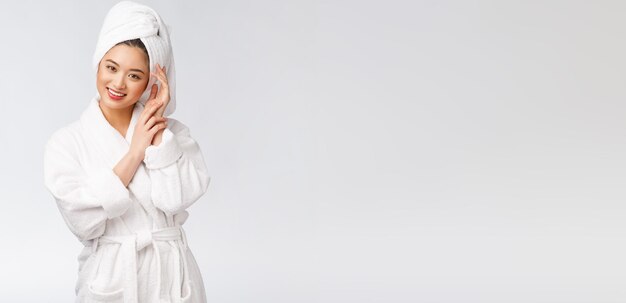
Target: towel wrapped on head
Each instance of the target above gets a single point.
(128, 20)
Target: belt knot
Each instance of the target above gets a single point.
(143, 239)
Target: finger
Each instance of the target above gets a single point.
(143, 114)
(153, 120)
(149, 111)
(161, 78)
(153, 91)
(159, 69)
(160, 74)
(164, 91)
(157, 127)
(150, 122)
(148, 108)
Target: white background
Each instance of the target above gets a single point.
(360, 151)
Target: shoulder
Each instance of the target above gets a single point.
(64, 137)
(177, 127)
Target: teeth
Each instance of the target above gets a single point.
(116, 94)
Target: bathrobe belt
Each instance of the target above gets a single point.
(131, 244)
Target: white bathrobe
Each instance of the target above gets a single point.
(135, 248)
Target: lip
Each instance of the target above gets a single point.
(114, 97)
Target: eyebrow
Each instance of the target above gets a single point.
(132, 70)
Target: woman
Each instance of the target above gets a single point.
(124, 174)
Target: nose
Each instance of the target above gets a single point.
(119, 81)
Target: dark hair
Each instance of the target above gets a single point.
(136, 43)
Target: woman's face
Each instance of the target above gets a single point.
(123, 76)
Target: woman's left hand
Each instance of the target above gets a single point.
(161, 94)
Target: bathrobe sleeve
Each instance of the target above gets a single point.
(86, 200)
(177, 169)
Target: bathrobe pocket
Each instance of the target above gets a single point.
(106, 283)
(95, 296)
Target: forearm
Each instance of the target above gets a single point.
(177, 170)
(126, 168)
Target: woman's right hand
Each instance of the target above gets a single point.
(148, 124)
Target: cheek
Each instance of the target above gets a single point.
(101, 78)
(100, 84)
(137, 88)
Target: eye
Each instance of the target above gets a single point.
(111, 68)
(135, 77)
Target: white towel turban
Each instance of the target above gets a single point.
(128, 20)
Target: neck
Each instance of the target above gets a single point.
(118, 118)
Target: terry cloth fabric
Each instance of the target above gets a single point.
(135, 249)
(129, 20)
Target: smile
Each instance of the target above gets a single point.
(114, 93)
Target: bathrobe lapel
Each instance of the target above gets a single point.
(111, 147)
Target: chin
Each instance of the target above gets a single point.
(116, 104)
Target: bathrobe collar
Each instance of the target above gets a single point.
(112, 145)
(109, 147)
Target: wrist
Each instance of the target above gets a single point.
(136, 155)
